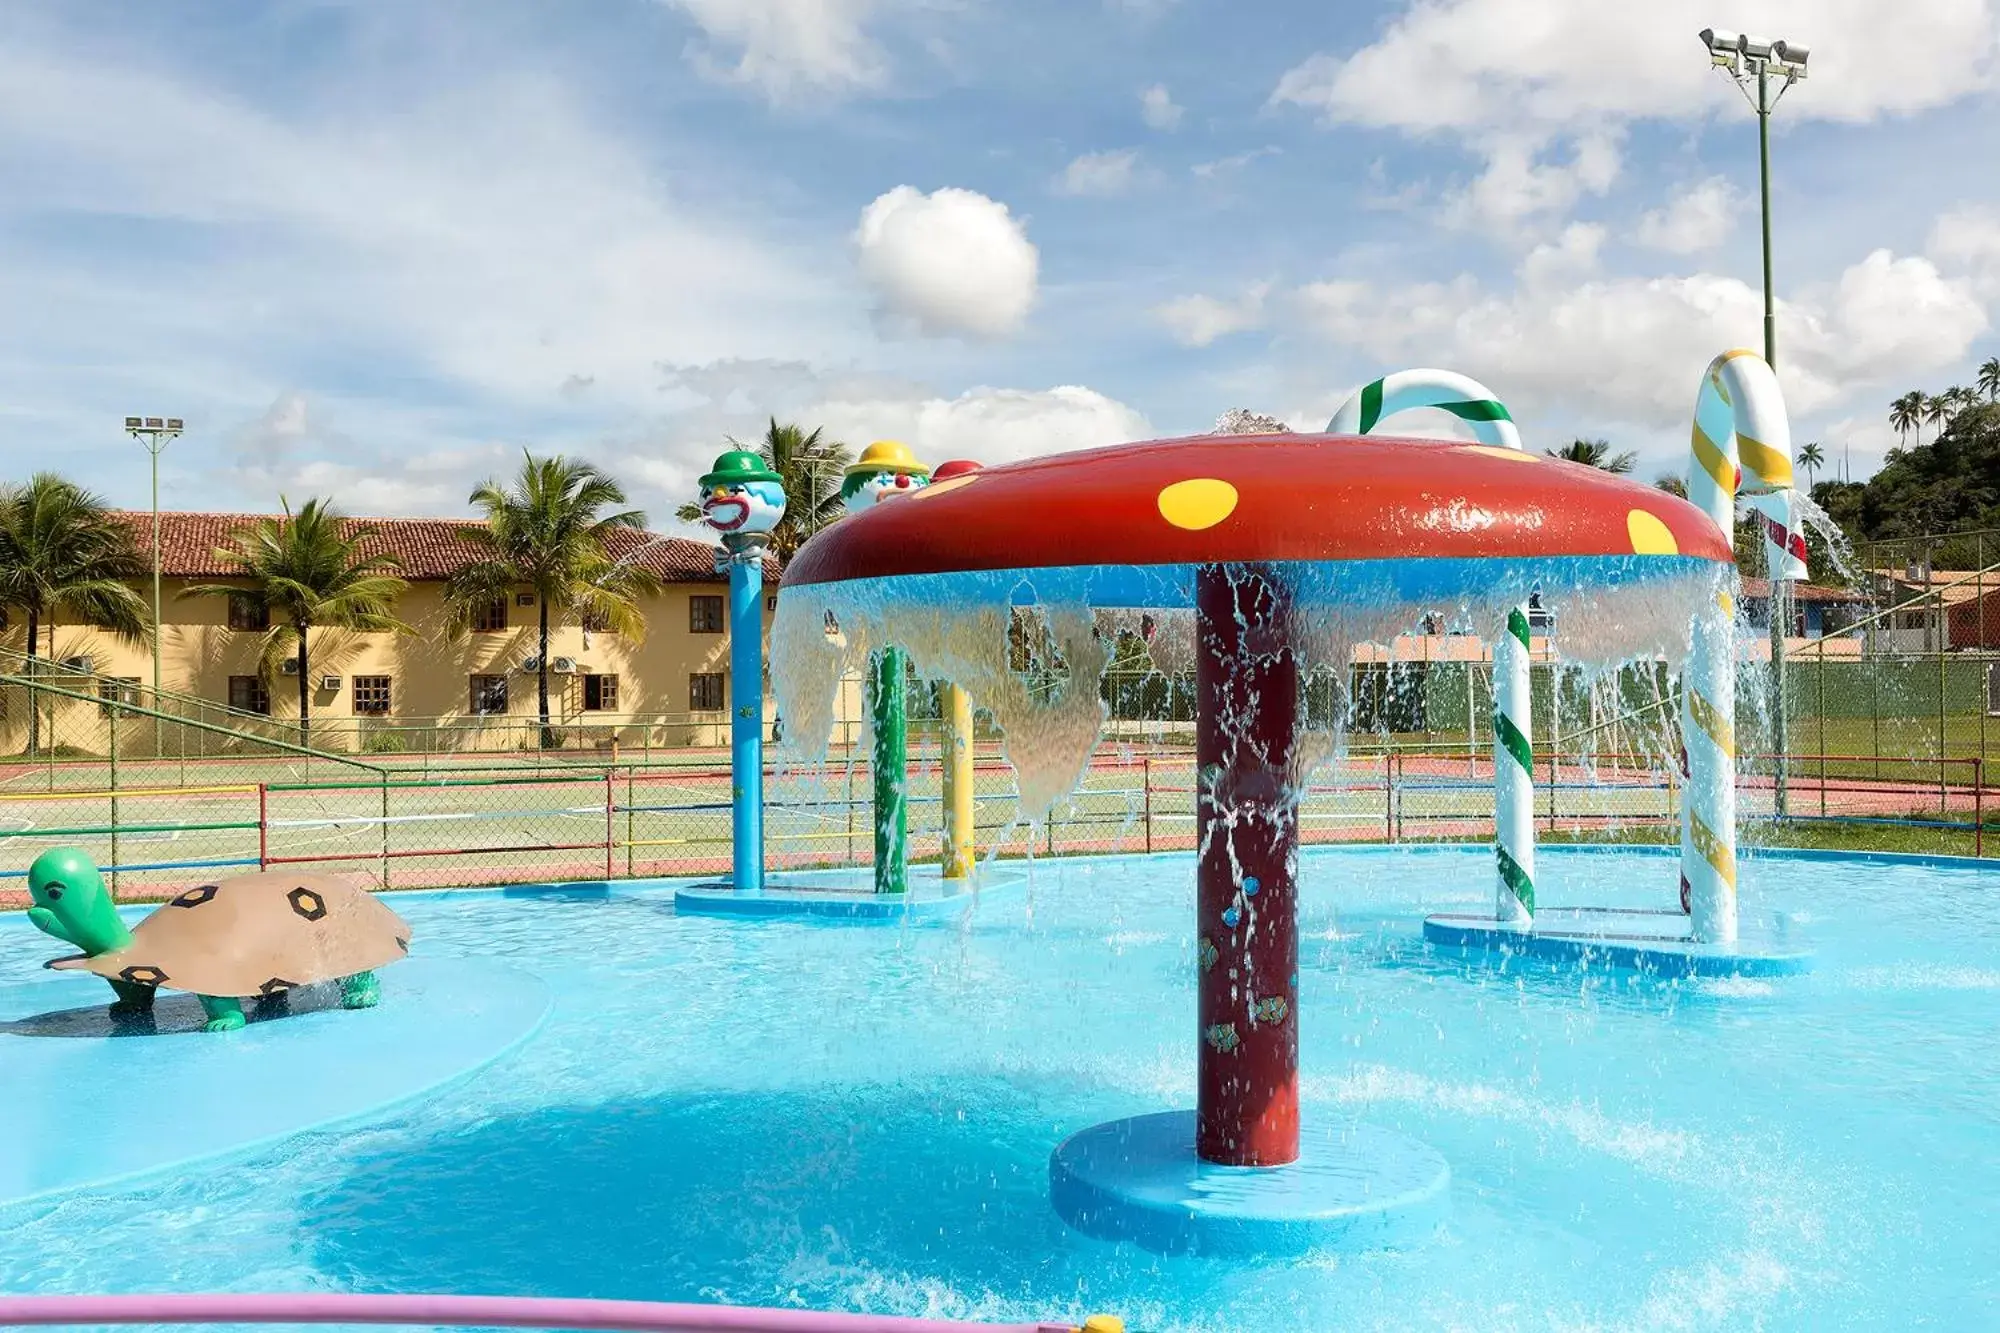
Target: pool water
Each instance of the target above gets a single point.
(860, 1117)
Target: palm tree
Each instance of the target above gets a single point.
(1989, 378)
(65, 555)
(1906, 414)
(549, 530)
(1672, 485)
(1597, 454)
(1812, 458)
(310, 570)
(1936, 409)
(812, 469)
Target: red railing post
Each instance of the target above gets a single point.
(1148, 782)
(263, 827)
(610, 827)
(1389, 766)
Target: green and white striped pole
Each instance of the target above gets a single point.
(1513, 719)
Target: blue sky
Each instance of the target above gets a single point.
(373, 251)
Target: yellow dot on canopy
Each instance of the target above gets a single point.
(1649, 535)
(940, 487)
(1495, 451)
(1201, 502)
(1727, 603)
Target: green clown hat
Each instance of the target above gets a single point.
(736, 468)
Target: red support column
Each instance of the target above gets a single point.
(1246, 823)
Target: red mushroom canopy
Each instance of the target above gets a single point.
(1261, 498)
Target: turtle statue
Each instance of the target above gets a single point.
(255, 935)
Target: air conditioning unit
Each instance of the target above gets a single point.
(81, 662)
(329, 682)
(563, 666)
(531, 665)
(289, 667)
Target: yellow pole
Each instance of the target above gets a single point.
(959, 851)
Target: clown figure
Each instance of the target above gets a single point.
(885, 468)
(741, 496)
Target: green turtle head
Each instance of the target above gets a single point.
(71, 902)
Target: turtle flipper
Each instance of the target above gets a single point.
(225, 1012)
(133, 998)
(360, 991)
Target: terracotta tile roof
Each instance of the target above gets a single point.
(1758, 589)
(430, 548)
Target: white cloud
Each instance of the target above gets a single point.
(1235, 162)
(1969, 238)
(1507, 79)
(949, 262)
(1571, 255)
(1696, 219)
(989, 425)
(1156, 105)
(487, 236)
(294, 450)
(1519, 187)
(788, 49)
(1197, 321)
(1630, 349)
(1568, 65)
(1100, 174)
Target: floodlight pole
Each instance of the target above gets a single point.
(1781, 589)
(1728, 51)
(155, 434)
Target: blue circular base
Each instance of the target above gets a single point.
(844, 899)
(301, 1067)
(1650, 942)
(1354, 1187)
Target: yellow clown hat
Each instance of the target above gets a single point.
(888, 456)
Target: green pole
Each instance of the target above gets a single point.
(891, 811)
(1780, 599)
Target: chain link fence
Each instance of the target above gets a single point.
(1895, 742)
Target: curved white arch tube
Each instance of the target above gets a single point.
(1742, 444)
(1513, 714)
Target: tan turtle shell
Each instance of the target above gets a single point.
(257, 934)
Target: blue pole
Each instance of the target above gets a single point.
(746, 719)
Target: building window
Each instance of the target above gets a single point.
(705, 691)
(117, 690)
(490, 616)
(524, 599)
(771, 602)
(248, 695)
(704, 614)
(600, 694)
(249, 611)
(371, 695)
(595, 622)
(489, 694)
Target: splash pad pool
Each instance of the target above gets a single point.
(1261, 561)
(1626, 1151)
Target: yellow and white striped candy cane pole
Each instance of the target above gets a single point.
(1513, 718)
(1742, 444)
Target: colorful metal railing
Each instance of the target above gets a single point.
(354, 1308)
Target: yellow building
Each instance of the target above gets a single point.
(428, 690)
